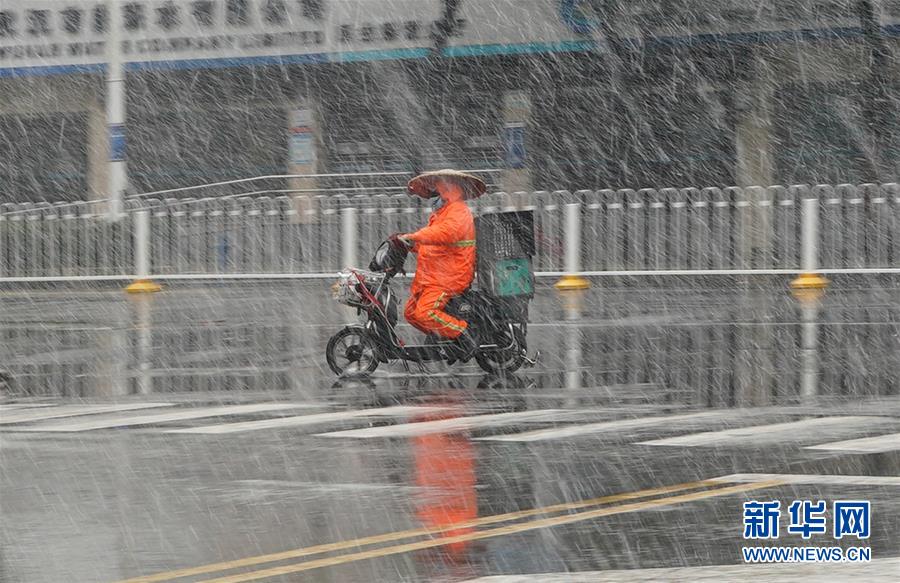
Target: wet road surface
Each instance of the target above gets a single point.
(198, 438)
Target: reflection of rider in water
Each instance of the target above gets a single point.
(446, 262)
(445, 469)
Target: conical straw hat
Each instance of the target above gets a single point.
(423, 184)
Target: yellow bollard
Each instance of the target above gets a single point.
(143, 284)
(809, 287)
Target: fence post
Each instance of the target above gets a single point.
(142, 283)
(2, 235)
(571, 288)
(573, 238)
(348, 236)
(810, 234)
(808, 288)
(572, 284)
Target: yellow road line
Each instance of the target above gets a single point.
(393, 536)
(501, 531)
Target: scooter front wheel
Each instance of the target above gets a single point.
(351, 352)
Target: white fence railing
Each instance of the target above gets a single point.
(668, 230)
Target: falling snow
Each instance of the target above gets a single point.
(715, 196)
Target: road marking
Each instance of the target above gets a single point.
(607, 426)
(16, 406)
(450, 425)
(490, 533)
(418, 532)
(875, 571)
(301, 420)
(877, 444)
(813, 479)
(27, 415)
(777, 432)
(193, 413)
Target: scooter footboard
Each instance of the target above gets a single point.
(422, 353)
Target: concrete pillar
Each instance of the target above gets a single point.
(304, 143)
(753, 129)
(516, 119)
(97, 149)
(117, 172)
(755, 166)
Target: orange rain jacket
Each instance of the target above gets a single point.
(446, 249)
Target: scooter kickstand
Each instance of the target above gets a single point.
(530, 362)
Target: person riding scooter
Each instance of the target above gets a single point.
(446, 256)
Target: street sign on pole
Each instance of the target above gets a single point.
(115, 112)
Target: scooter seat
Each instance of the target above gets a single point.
(463, 305)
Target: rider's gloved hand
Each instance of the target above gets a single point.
(400, 241)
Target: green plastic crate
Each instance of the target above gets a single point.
(513, 277)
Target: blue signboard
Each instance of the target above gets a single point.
(116, 142)
(575, 14)
(514, 142)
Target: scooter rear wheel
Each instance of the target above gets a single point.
(351, 352)
(503, 361)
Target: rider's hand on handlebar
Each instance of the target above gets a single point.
(400, 240)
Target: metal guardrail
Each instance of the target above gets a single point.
(648, 231)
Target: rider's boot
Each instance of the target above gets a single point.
(466, 346)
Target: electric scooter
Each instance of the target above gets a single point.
(499, 324)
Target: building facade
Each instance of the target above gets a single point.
(546, 94)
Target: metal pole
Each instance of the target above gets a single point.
(810, 233)
(573, 238)
(348, 236)
(809, 384)
(142, 243)
(144, 347)
(808, 289)
(572, 288)
(115, 111)
(142, 283)
(573, 339)
(3, 222)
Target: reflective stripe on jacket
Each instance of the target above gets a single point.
(446, 249)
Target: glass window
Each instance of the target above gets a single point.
(820, 134)
(44, 156)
